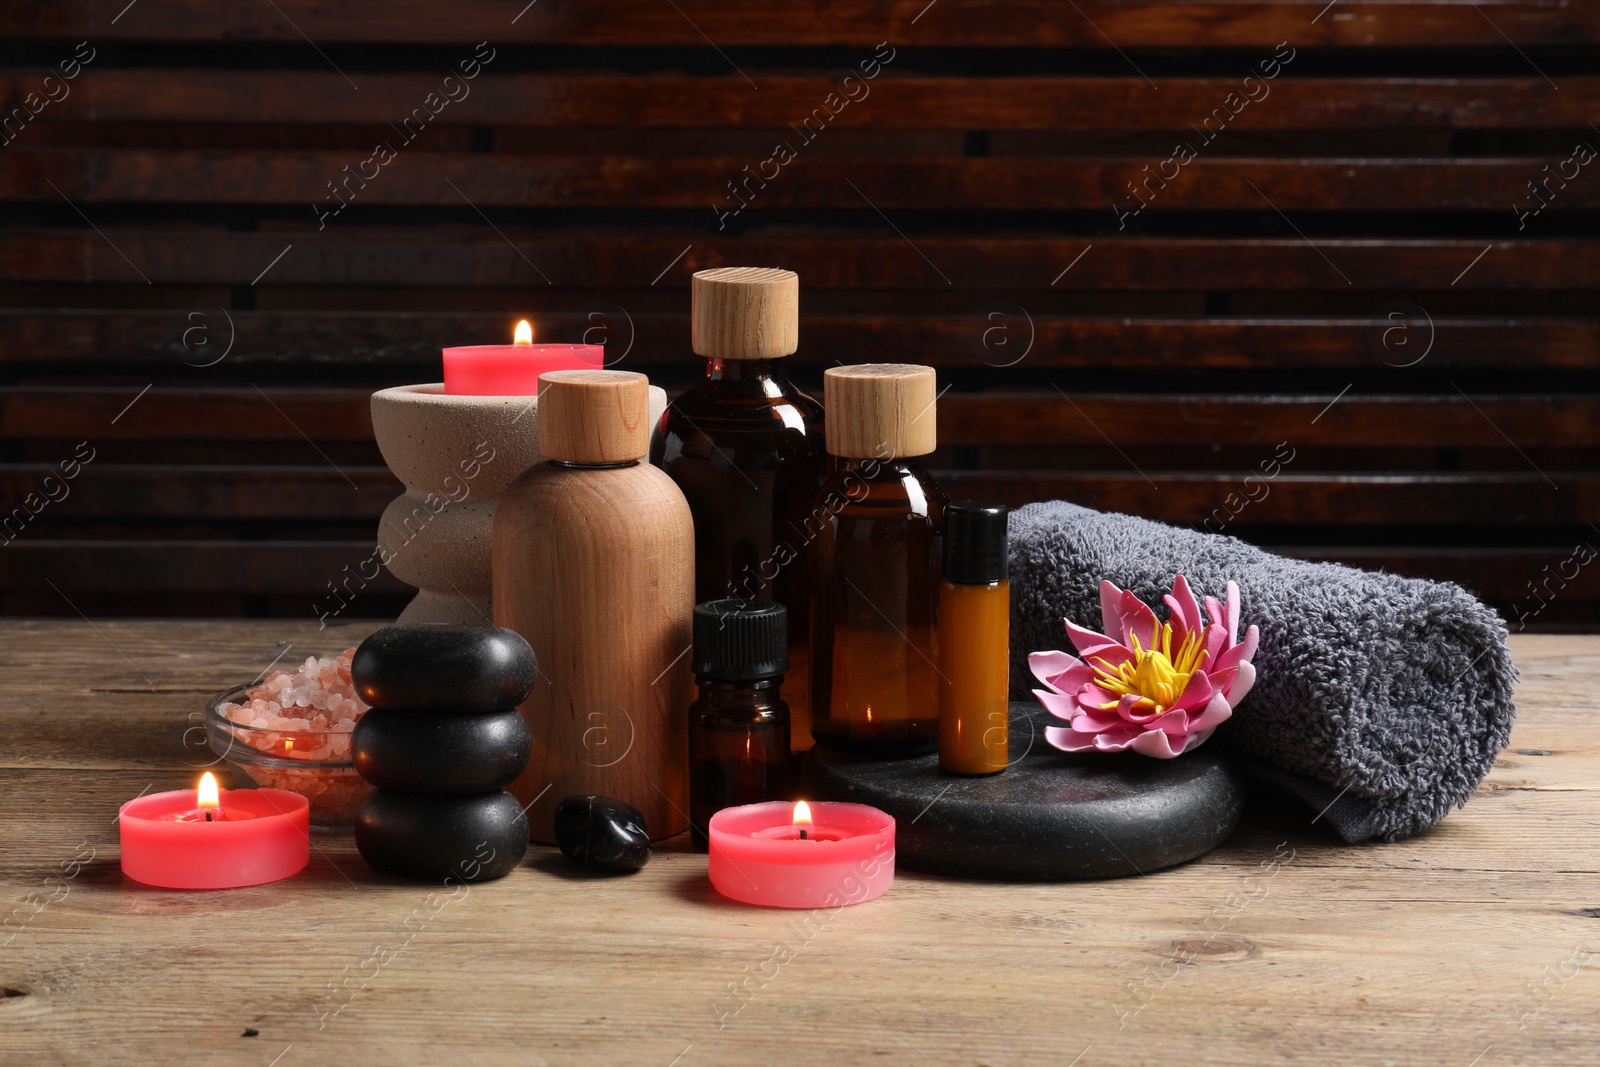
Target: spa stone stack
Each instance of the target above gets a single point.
(443, 739)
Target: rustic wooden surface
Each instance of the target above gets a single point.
(1470, 945)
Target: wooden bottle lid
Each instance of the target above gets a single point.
(745, 312)
(880, 410)
(594, 416)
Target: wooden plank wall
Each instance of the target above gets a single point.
(1153, 249)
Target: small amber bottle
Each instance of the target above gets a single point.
(739, 726)
(974, 640)
(875, 564)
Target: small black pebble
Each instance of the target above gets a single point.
(250, 1031)
(602, 833)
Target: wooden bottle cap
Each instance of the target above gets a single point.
(745, 312)
(880, 410)
(594, 416)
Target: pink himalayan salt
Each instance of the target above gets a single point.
(307, 714)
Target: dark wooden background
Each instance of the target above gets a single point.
(1342, 269)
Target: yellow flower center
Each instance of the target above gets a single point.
(1157, 676)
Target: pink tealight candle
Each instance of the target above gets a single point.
(514, 369)
(822, 855)
(209, 839)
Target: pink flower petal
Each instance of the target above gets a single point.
(1242, 683)
(1091, 723)
(1091, 697)
(1109, 657)
(1048, 665)
(1088, 642)
(1111, 611)
(1185, 609)
(1175, 722)
(1058, 704)
(1157, 744)
(1138, 621)
(1117, 740)
(1126, 712)
(1072, 679)
(1215, 641)
(1215, 713)
(1233, 612)
(1196, 693)
(1067, 740)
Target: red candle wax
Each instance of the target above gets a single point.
(249, 836)
(759, 856)
(514, 369)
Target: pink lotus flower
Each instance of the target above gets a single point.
(1157, 688)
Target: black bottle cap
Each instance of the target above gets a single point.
(736, 639)
(975, 542)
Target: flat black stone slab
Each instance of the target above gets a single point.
(1050, 817)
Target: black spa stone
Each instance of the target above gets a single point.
(602, 833)
(1051, 816)
(435, 667)
(426, 836)
(426, 752)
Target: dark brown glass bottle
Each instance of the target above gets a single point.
(875, 567)
(746, 448)
(739, 726)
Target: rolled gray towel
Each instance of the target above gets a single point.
(1383, 700)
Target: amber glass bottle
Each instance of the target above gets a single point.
(974, 641)
(739, 726)
(746, 448)
(875, 566)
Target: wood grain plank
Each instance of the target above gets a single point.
(130, 492)
(335, 414)
(890, 101)
(1516, 580)
(476, 258)
(1422, 422)
(414, 339)
(1096, 24)
(1108, 185)
(812, 23)
(1225, 502)
(252, 568)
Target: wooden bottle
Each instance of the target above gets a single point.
(594, 565)
(874, 564)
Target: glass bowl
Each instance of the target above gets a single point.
(314, 763)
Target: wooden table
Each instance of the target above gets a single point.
(1465, 946)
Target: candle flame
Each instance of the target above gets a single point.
(207, 792)
(288, 744)
(524, 333)
(802, 813)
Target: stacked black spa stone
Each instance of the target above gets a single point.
(442, 741)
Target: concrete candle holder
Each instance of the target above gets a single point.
(455, 455)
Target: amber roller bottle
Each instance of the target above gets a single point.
(875, 565)
(974, 640)
(594, 565)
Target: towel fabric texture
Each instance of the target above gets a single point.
(1380, 701)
